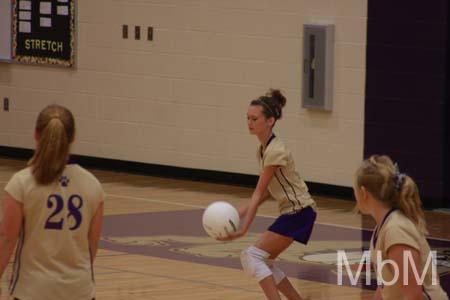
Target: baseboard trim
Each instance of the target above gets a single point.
(236, 179)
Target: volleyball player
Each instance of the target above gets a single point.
(392, 199)
(53, 212)
(278, 178)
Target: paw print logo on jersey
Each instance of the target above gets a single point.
(64, 181)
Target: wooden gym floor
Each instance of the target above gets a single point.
(153, 246)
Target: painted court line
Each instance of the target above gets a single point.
(155, 201)
(111, 255)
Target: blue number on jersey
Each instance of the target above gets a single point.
(74, 204)
(74, 210)
(59, 202)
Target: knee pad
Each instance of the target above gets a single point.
(254, 263)
(278, 275)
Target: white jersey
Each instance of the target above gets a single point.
(52, 259)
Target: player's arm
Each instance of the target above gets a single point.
(243, 209)
(412, 290)
(9, 229)
(257, 198)
(95, 230)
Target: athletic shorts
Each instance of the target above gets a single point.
(297, 226)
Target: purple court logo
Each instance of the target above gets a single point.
(179, 235)
(365, 263)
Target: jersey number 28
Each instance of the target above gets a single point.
(56, 202)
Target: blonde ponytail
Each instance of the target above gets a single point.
(381, 177)
(410, 204)
(55, 129)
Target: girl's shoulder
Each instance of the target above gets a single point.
(399, 223)
(277, 145)
(79, 171)
(24, 174)
(398, 218)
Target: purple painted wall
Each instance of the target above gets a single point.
(407, 91)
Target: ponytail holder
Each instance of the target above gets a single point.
(399, 178)
(278, 113)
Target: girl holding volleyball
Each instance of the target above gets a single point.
(279, 179)
(53, 211)
(392, 199)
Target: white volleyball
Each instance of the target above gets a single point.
(219, 219)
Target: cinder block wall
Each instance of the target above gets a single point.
(181, 99)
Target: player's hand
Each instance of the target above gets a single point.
(231, 236)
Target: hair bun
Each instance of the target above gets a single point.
(278, 96)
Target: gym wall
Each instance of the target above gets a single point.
(181, 98)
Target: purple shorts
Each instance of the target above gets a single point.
(297, 226)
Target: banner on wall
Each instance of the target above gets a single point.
(44, 32)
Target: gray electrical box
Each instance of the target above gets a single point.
(318, 66)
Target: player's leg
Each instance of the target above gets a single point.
(269, 288)
(255, 264)
(274, 244)
(258, 264)
(286, 288)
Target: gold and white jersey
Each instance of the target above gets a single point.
(397, 229)
(52, 259)
(286, 187)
